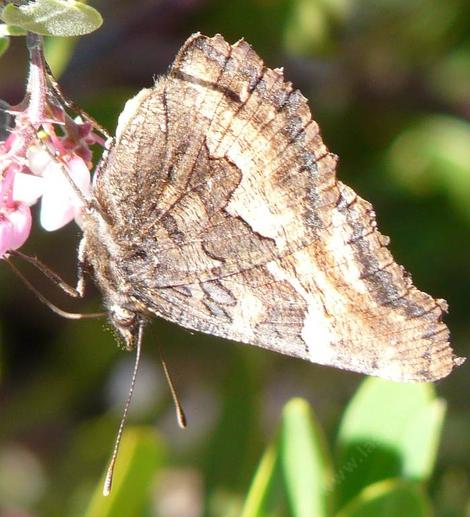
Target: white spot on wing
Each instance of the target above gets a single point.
(343, 253)
(317, 331)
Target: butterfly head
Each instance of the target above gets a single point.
(127, 322)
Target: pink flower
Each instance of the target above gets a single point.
(47, 156)
(15, 216)
(45, 178)
(15, 227)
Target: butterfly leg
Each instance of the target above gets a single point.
(80, 288)
(69, 103)
(75, 292)
(53, 277)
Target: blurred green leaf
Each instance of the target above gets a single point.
(305, 460)
(434, 153)
(4, 44)
(309, 25)
(449, 78)
(421, 443)
(140, 455)
(58, 52)
(306, 29)
(54, 17)
(388, 430)
(11, 30)
(266, 496)
(295, 470)
(228, 462)
(388, 499)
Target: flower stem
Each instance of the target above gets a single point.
(37, 81)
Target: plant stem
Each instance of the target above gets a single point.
(37, 80)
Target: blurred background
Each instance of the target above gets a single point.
(389, 83)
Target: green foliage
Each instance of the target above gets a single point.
(295, 474)
(58, 52)
(389, 498)
(4, 44)
(140, 456)
(310, 26)
(386, 450)
(433, 154)
(232, 438)
(11, 30)
(53, 17)
(66, 18)
(388, 430)
(5, 32)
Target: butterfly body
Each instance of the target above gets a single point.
(219, 209)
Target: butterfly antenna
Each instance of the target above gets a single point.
(47, 303)
(180, 415)
(110, 472)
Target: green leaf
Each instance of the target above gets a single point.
(295, 472)
(229, 463)
(305, 460)
(4, 44)
(54, 17)
(140, 455)
(310, 26)
(265, 496)
(388, 430)
(11, 30)
(306, 29)
(58, 52)
(433, 154)
(421, 443)
(388, 499)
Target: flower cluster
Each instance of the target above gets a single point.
(44, 155)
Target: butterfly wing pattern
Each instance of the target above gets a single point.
(224, 215)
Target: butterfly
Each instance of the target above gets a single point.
(218, 208)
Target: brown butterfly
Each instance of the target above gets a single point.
(218, 208)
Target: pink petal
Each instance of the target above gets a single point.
(5, 235)
(15, 227)
(21, 225)
(27, 188)
(56, 209)
(80, 174)
(38, 159)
